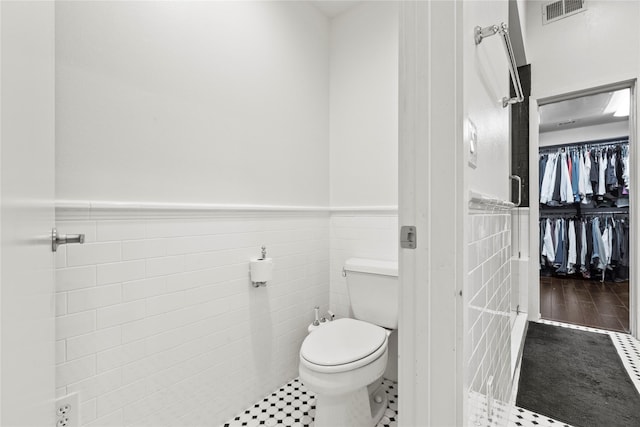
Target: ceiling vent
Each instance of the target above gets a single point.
(555, 10)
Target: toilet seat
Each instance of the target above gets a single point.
(343, 345)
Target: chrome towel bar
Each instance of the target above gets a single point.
(503, 30)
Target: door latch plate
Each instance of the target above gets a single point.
(408, 237)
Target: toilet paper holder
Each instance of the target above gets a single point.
(264, 276)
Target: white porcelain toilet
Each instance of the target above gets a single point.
(342, 362)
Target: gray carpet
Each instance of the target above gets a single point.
(576, 377)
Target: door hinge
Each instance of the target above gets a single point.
(408, 237)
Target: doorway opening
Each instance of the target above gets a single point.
(585, 192)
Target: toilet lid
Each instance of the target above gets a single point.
(342, 341)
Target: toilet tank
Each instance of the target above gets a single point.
(373, 290)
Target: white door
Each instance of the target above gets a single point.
(27, 213)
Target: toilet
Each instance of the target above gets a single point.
(343, 361)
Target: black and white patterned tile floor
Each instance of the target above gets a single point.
(294, 406)
(523, 418)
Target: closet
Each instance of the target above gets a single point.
(584, 232)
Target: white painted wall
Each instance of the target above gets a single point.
(592, 48)
(486, 82)
(522, 15)
(27, 215)
(359, 235)
(240, 87)
(364, 106)
(364, 139)
(586, 133)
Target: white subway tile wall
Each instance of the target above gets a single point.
(358, 236)
(157, 322)
(488, 340)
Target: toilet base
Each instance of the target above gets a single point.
(378, 408)
(356, 409)
(344, 410)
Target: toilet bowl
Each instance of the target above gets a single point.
(343, 362)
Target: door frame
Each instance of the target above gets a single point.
(432, 275)
(634, 213)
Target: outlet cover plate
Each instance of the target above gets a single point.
(68, 411)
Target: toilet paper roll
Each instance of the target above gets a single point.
(261, 269)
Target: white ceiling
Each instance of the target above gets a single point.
(333, 8)
(578, 112)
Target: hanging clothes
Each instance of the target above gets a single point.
(555, 199)
(548, 251)
(611, 181)
(582, 246)
(578, 237)
(582, 189)
(566, 191)
(581, 174)
(588, 189)
(572, 255)
(560, 251)
(616, 240)
(605, 256)
(575, 173)
(542, 166)
(595, 171)
(625, 167)
(602, 167)
(583, 177)
(548, 182)
(564, 266)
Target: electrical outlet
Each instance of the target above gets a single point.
(68, 411)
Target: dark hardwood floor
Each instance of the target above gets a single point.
(585, 302)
